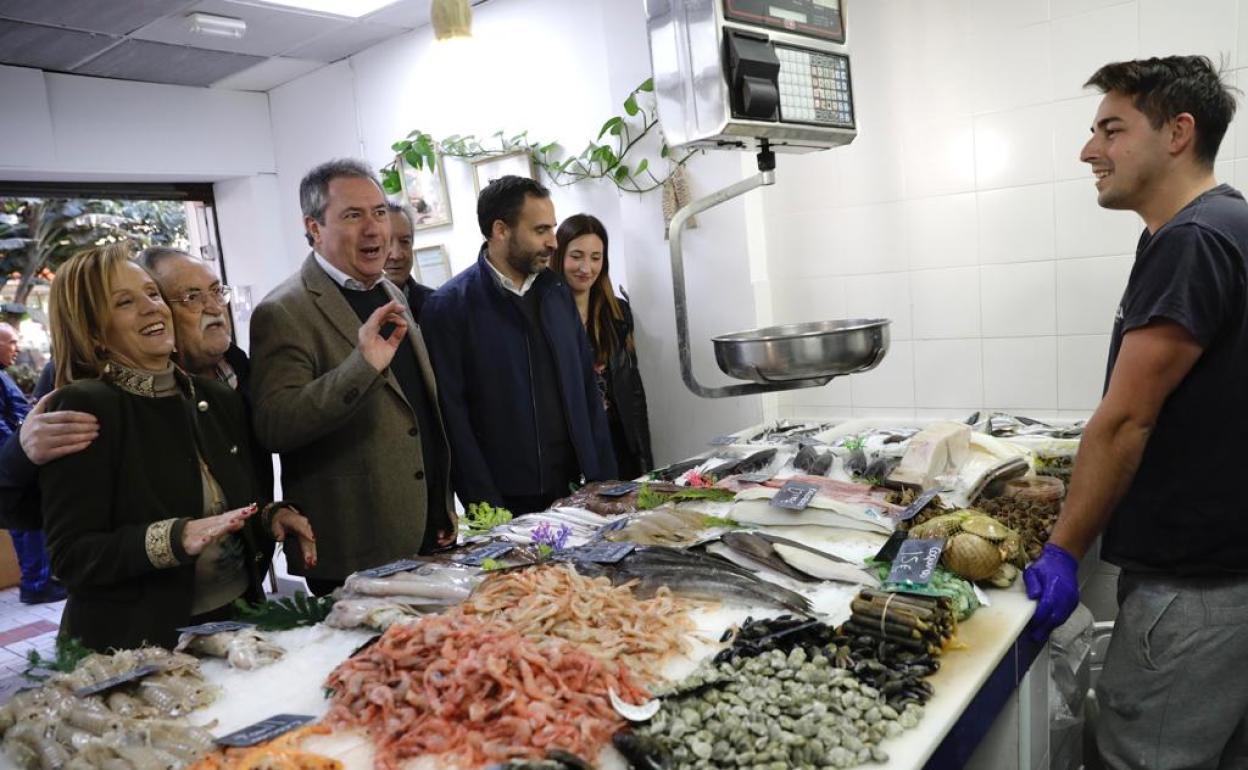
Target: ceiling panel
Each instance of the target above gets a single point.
(268, 74)
(269, 32)
(339, 45)
(405, 13)
(160, 63)
(117, 17)
(47, 48)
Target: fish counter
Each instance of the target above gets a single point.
(801, 595)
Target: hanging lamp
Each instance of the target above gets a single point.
(451, 18)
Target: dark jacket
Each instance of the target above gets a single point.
(114, 512)
(350, 442)
(20, 506)
(415, 294)
(476, 338)
(19, 477)
(627, 396)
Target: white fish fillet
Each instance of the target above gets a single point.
(823, 512)
(823, 568)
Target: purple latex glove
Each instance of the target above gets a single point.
(1051, 581)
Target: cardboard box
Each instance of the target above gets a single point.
(9, 572)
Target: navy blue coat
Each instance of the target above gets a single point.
(476, 340)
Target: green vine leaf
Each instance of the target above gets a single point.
(620, 162)
(390, 181)
(611, 125)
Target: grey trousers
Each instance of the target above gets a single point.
(1174, 690)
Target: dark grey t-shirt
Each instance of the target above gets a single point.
(1186, 510)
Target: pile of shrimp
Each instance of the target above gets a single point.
(477, 692)
(282, 753)
(609, 622)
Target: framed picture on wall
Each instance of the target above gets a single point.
(433, 265)
(486, 170)
(425, 191)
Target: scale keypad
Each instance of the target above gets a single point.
(814, 87)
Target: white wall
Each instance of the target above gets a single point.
(72, 128)
(962, 211)
(79, 128)
(558, 70)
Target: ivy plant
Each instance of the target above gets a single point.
(612, 155)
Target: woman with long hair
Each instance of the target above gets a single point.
(582, 260)
(159, 523)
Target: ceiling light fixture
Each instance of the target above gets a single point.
(451, 18)
(216, 26)
(350, 8)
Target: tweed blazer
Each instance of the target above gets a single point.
(350, 449)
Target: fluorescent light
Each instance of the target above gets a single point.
(216, 26)
(352, 8)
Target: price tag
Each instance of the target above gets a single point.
(263, 731)
(918, 505)
(598, 553)
(220, 627)
(364, 646)
(618, 490)
(795, 495)
(393, 568)
(889, 551)
(476, 556)
(613, 526)
(755, 478)
(916, 561)
(726, 440)
(132, 675)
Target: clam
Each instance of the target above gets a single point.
(940, 526)
(986, 527)
(971, 556)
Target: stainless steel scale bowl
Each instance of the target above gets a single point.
(805, 351)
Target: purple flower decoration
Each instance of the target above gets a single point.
(555, 539)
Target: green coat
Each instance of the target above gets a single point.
(114, 512)
(351, 453)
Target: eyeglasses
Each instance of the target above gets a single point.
(197, 298)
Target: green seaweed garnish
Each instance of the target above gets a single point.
(285, 614)
(482, 517)
(69, 653)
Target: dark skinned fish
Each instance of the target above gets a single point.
(755, 547)
(697, 575)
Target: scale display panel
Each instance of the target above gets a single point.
(815, 87)
(822, 19)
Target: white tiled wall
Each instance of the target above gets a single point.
(962, 211)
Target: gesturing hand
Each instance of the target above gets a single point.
(201, 533)
(46, 436)
(379, 350)
(289, 521)
(1051, 580)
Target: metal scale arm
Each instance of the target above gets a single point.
(766, 176)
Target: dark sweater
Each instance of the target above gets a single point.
(407, 372)
(100, 505)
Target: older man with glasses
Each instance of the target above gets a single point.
(201, 316)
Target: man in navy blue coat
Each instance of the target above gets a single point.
(513, 364)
